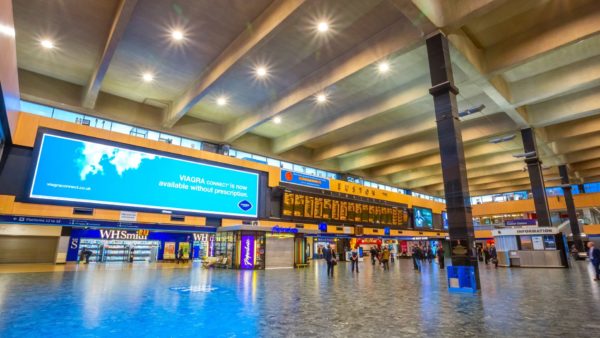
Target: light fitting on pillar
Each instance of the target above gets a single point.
(470, 111)
(501, 139)
(526, 155)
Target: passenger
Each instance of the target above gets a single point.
(594, 255)
(486, 255)
(131, 255)
(494, 256)
(354, 260)
(179, 256)
(415, 257)
(385, 258)
(373, 253)
(440, 255)
(429, 254)
(82, 255)
(480, 253)
(574, 252)
(329, 255)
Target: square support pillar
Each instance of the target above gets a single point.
(568, 194)
(536, 177)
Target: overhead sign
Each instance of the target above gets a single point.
(128, 216)
(525, 231)
(520, 222)
(278, 229)
(75, 170)
(303, 179)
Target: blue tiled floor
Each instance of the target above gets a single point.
(149, 302)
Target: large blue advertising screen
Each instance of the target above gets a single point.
(75, 170)
(423, 218)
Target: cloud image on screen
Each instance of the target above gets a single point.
(93, 154)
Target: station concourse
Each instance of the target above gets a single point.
(198, 167)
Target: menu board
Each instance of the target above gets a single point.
(319, 208)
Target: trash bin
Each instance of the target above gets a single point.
(461, 279)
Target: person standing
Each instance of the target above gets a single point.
(440, 255)
(429, 254)
(594, 255)
(494, 256)
(179, 256)
(385, 258)
(131, 255)
(329, 255)
(354, 260)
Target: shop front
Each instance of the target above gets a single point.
(406, 244)
(256, 247)
(531, 247)
(117, 245)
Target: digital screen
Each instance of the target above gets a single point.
(423, 218)
(445, 220)
(70, 169)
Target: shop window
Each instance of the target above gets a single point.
(121, 128)
(191, 144)
(36, 109)
(64, 115)
(274, 163)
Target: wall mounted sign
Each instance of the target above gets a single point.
(520, 222)
(303, 179)
(525, 231)
(247, 252)
(278, 229)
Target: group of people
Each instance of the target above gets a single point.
(421, 253)
(488, 254)
(383, 256)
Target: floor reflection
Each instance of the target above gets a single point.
(162, 300)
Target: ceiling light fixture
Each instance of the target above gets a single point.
(323, 27)
(503, 139)
(526, 155)
(221, 100)
(177, 35)
(48, 44)
(321, 98)
(472, 111)
(383, 67)
(147, 77)
(277, 120)
(7, 30)
(261, 71)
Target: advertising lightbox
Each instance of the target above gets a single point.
(423, 218)
(77, 170)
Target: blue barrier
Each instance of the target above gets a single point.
(461, 279)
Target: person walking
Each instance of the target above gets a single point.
(329, 255)
(440, 255)
(354, 260)
(494, 256)
(179, 256)
(486, 255)
(594, 255)
(385, 258)
(131, 255)
(373, 254)
(429, 254)
(415, 257)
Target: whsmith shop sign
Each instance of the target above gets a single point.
(303, 179)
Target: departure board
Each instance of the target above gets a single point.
(295, 204)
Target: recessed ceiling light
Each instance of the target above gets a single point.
(177, 35)
(48, 44)
(323, 27)
(221, 100)
(147, 77)
(277, 120)
(321, 98)
(383, 67)
(261, 71)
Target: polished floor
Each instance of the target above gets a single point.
(166, 300)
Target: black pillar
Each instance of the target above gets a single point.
(568, 194)
(536, 177)
(454, 171)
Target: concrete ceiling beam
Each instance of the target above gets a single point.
(574, 128)
(472, 130)
(448, 14)
(119, 26)
(565, 108)
(398, 37)
(409, 93)
(266, 24)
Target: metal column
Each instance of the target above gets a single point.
(568, 194)
(536, 177)
(456, 187)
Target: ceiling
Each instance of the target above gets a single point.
(532, 64)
